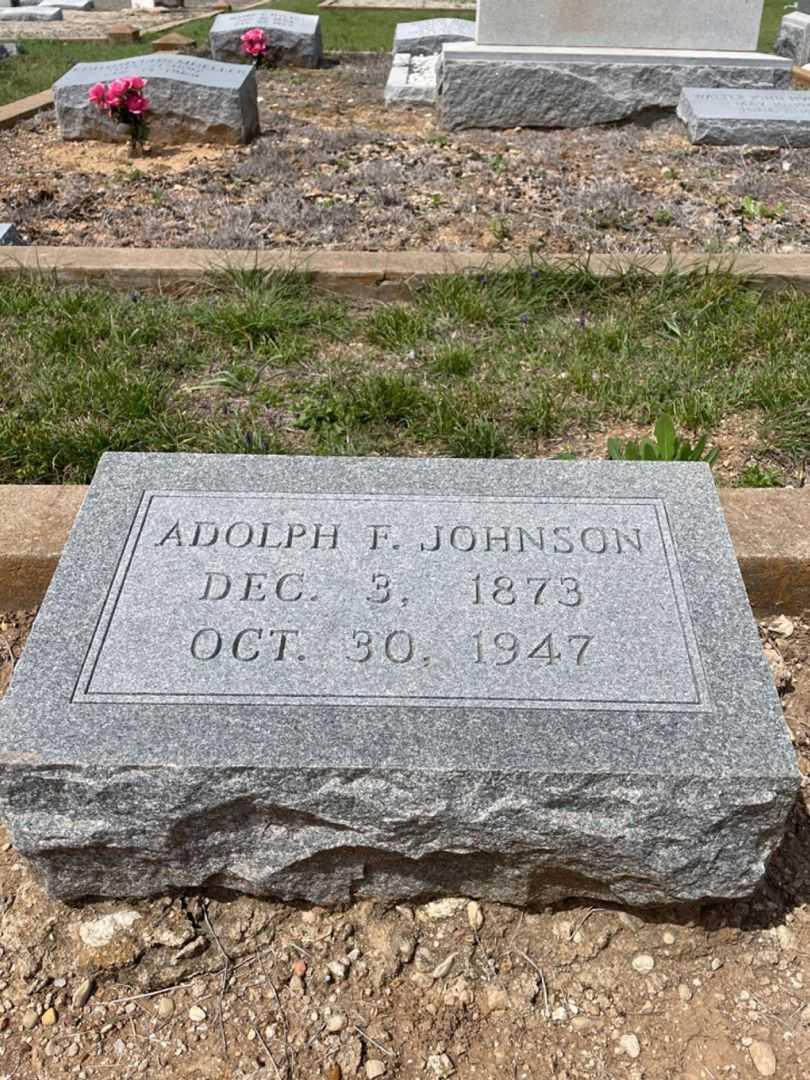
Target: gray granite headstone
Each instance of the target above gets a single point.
(292, 38)
(317, 678)
(70, 5)
(31, 14)
(523, 86)
(192, 100)
(426, 36)
(740, 117)
(8, 234)
(8, 49)
(793, 39)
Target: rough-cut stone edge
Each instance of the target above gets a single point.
(770, 530)
(484, 86)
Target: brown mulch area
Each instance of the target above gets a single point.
(573, 992)
(334, 168)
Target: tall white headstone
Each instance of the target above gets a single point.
(621, 24)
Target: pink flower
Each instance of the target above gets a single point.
(254, 42)
(137, 83)
(136, 104)
(98, 95)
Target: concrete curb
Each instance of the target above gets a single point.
(25, 107)
(770, 530)
(366, 274)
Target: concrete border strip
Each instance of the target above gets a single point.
(364, 274)
(770, 530)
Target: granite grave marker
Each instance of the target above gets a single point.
(746, 117)
(192, 100)
(426, 36)
(292, 38)
(316, 678)
(554, 63)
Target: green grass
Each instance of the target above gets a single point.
(343, 31)
(476, 366)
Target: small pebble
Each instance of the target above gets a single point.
(668, 937)
(630, 1045)
(336, 1022)
(300, 968)
(375, 1068)
(475, 916)
(165, 1008)
(684, 993)
(338, 970)
(763, 1057)
(643, 963)
(444, 967)
(49, 1018)
(83, 993)
(440, 1065)
(30, 1019)
(197, 1014)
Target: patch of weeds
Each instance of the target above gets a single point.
(439, 140)
(478, 437)
(397, 327)
(458, 360)
(390, 399)
(497, 164)
(545, 412)
(753, 209)
(758, 476)
(501, 229)
(663, 216)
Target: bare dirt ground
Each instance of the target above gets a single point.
(95, 25)
(199, 988)
(336, 169)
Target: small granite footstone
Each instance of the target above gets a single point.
(487, 86)
(619, 24)
(69, 5)
(746, 117)
(428, 35)
(8, 49)
(412, 80)
(31, 14)
(794, 38)
(8, 234)
(172, 43)
(121, 33)
(316, 679)
(192, 100)
(292, 38)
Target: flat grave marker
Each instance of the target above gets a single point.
(746, 117)
(192, 99)
(311, 678)
(292, 38)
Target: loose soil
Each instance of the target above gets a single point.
(95, 25)
(199, 987)
(336, 169)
